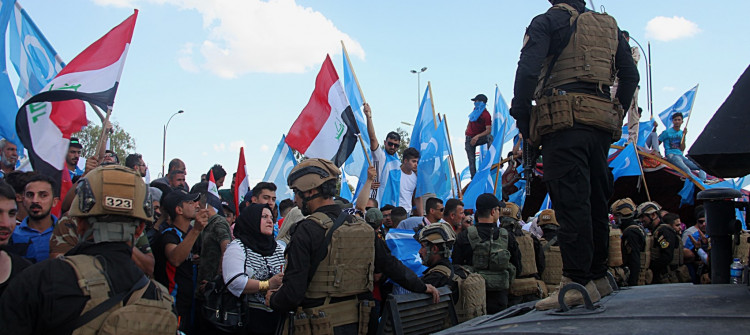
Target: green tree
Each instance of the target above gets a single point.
(120, 142)
(405, 139)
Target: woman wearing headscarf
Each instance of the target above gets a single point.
(255, 253)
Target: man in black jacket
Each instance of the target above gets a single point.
(633, 238)
(314, 184)
(569, 60)
(46, 298)
(497, 282)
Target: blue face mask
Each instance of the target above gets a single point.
(479, 107)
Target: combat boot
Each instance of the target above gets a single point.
(603, 286)
(572, 297)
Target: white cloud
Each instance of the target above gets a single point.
(669, 89)
(667, 29)
(236, 145)
(264, 147)
(204, 153)
(185, 59)
(254, 36)
(220, 147)
(116, 3)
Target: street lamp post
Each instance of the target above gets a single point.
(419, 86)
(164, 141)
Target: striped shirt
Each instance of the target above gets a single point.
(237, 258)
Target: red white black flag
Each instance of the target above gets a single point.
(326, 128)
(45, 122)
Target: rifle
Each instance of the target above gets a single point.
(530, 155)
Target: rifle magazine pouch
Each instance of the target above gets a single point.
(302, 326)
(599, 112)
(551, 113)
(365, 307)
(321, 325)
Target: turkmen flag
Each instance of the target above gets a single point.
(326, 128)
(45, 122)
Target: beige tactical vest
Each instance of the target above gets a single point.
(589, 56)
(348, 266)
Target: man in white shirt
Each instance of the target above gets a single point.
(386, 159)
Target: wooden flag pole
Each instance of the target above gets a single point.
(432, 104)
(362, 142)
(643, 176)
(356, 81)
(684, 133)
(101, 146)
(450, 154)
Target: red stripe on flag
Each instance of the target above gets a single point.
(105, 51)
(314, 115)
(239, 180)
(69, 116)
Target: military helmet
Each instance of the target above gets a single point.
(436, 233)
(311, 173)
(648, 207)
(547, 216)
(112, 190)
(510, 210)
(624, 208)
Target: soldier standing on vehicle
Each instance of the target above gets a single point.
(569, 59)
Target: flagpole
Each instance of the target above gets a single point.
(450, 154)
(432, 103)
(497, 177)
(643, 176)
(346, 54)
(695, 95)
(362, 142)
(100, 147)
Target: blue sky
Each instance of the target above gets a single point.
(242, 70)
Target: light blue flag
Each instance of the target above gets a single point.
(425, 121)
(503, 124)
(346, 192)
(356, 164)
(404, 247)
(644, 129)
(741, 216)
(388, 194)
(281, 164)
(33, 57)
(484, 179)
(683, 105)
(434, 167)
(547, 203)
(8, 104)
(687, 193)
(626, 163)
(519, 198)
(464, 175)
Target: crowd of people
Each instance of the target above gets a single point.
(192, 238)
(324, 259)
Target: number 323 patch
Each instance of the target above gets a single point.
(120, 203)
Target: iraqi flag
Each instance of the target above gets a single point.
(213, 192)
(241, 183)
(45, 122)
(326, 128)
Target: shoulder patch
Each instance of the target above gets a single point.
(663, 243)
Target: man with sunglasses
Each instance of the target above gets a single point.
(381, 155)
